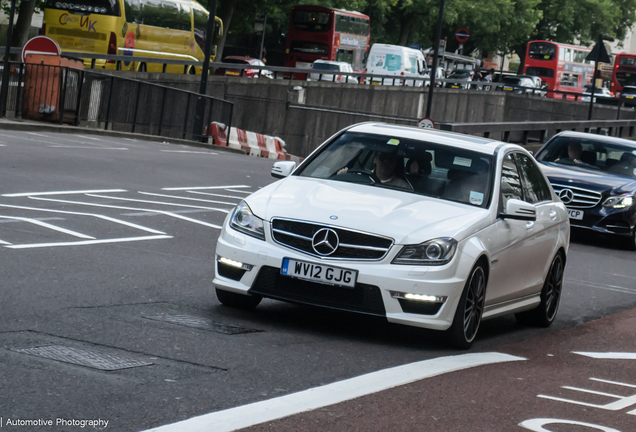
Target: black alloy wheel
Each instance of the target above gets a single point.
(544, 314)
(238, 301)
(469, 310)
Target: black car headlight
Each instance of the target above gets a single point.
(243, 220)
(433, 252)
(620, 201)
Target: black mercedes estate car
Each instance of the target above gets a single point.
(595, 177)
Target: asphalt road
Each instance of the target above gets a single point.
(107, 249)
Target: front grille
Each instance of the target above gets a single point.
(362, 298)
(353, 244)
(582, 198)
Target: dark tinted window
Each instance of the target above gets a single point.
(628, 61)
(510, 182)
(626, 78)
(536, 188)
(325, 66)
(309, 48)
(542, 51)
(352, 25)
(311, 21)
(86, 7)
(513, 81)
(200, 26)
(540, 72)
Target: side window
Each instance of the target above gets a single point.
(151, 13)
(510, 182)
(184, 20)
(535, 187)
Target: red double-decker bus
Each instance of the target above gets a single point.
(624, 72)
(563, 67)
(317, 32)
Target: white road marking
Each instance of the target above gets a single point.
(605, 287)
(49, 226)
(40, 219)
(187, 198)
(167, 213)
(607, 355)
(189, 151)
(330, 394)
(89, 242)
(205, 187)
(108, 218)
(87, 137)
(89, 147)
(157, 202)
(37, 134)
(63, 192)
(243, 192)
(2, 242)
(219, 195)
(2, 145)
(130, 139)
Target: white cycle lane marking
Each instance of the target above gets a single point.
(76, 192)
(330, 394)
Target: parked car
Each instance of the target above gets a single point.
(327, 70)
(628, 94)
(518, 85)
(248, 73)
(473, 232)
(603, 94)
(595, 176)
(397, 61)
(460, 79)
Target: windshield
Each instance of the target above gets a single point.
(515, 81)
(86, 7)
(626, 78)
(311, 20)
(459, 75)
(591, 154)
(326, 66)
(542, 51)
(414, 166)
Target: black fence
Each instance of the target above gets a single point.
(101, 100)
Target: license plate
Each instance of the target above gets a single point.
(508, 88)
(629, 97)
(376, 83)
(576, 214)
(319, 273)
(233, 73)
(454, 86)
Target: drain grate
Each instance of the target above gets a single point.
(82, 357)
(202, 323)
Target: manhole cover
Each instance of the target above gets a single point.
(202, 323)
(82, 357)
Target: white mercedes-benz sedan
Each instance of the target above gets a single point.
(426, 228)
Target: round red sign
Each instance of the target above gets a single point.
(462, 35)
(40, 45)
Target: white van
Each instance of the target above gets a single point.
(398, 61)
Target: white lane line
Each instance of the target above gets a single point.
(49, 226)
(2, 145)
(40, 219)
(63, 192)
(37, 134)
(167, 213)
(213, 194)
(2, 242)
(157, 202)
(89, 147)
(130, 139)
(607, 355)
(89, 242)
(87, 137)
(189, 151)
(605, 287)
(330, 394)
(243, 192)
(187, 198)
(205, 187)
(108, 218)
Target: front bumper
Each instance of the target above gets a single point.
(606, 220)
(379, 290)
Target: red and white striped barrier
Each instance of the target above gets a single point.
(250, 142)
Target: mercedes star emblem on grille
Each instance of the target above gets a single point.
(566, 196)
(325, 241)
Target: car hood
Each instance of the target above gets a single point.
(405, 217)
(598, 181)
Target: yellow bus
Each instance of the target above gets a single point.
(166, 29)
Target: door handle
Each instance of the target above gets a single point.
(529, 226)
(553, 215)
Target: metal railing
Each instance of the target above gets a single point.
(99, 99)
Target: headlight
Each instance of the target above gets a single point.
(619, 202)
(243, 220)
(433, 252)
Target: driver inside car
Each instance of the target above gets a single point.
(386, 169)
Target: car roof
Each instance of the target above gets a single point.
(436, 136)
(601, 138)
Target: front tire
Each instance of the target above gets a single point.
(469, 311)
(238, 301)
(544, 314)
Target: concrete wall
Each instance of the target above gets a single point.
(261, 106)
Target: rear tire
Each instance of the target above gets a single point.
(469, 311)
(239, 301)
(545, 314)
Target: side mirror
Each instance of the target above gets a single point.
(519, 210)
(283, 169)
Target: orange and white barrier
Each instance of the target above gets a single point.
(251, 143)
